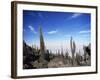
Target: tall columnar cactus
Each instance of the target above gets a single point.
(73, 49)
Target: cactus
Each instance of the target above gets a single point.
(73, 48)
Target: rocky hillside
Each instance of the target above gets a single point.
(32, 58)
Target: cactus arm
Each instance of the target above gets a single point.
(74, 47)
(71, 45)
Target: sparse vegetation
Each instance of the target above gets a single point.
(33, 58)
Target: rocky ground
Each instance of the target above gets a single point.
(32, 59)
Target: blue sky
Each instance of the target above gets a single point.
(57, 28)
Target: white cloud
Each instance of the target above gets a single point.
(85, 31)
(32, 29)
(53, 32)
(75, 15)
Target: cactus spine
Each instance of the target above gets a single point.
(73, 48)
